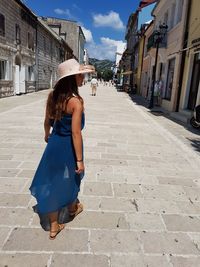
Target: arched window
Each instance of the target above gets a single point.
(2, 25)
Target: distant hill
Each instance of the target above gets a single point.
(101, 65)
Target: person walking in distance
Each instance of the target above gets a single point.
(57, 180)
(94, 84)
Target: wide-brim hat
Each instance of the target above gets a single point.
(72, 67)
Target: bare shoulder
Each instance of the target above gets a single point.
(75, 103)
(50, 95)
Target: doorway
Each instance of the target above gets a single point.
(194, 83)
(17, 79)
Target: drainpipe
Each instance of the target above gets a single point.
(185, 40)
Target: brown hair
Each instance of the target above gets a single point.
(57, 100)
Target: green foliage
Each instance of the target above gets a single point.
(107, 75)
(103, 68)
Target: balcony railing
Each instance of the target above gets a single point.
(156, 37)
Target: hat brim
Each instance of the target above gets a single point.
(84, 71)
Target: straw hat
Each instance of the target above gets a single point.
(72, 67)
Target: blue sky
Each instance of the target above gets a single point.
(103, 22)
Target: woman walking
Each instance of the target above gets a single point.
(57, 179)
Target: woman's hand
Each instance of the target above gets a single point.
(80, 167)
(46, 138)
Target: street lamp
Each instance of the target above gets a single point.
(159, 35)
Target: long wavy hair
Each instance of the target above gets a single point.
(57, 100)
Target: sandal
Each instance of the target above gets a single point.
(60, 228)
(79, 209)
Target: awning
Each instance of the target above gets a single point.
(145, 3)
(129, 72)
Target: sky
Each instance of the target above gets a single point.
(103, 22)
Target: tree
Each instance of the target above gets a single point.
(107, 75)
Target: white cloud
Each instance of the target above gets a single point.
(65, 12)
(105, 50)
(110, 20)
(88, 35)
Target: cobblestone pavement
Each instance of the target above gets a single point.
(141, 192)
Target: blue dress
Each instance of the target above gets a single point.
(56, 184)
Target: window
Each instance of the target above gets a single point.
(17, 34)
(30, 41)
(30, 73)
(2, 25)
(160, 71)
(5, 68)
(3, 64)
(166, 18)
(44, 46)
(170, 78)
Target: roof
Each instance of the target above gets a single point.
(26, 8)
(49, 29)
(55, 35)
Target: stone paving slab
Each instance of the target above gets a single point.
(170, 243)
(24, 260)
(35, 239)
(185, 262)
(75, 260)
(114, 241)
(139, 260)
(140, 193)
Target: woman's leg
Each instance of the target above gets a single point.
(55, 226)
(75, 208)
(72, 207)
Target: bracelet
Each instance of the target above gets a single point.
(79, 160)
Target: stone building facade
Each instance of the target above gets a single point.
(190, 93)
(51, 51)
(30, 51)
(17, 48)
(129, 56)
(173, 14)
(72, 33)
(148, 61)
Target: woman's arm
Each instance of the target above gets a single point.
(47, 125)
(47, 128)
(77, 110)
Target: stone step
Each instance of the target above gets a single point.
(182, 116)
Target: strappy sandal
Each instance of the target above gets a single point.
(60, 228)
(79, 209)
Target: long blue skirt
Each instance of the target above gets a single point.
(56, 184)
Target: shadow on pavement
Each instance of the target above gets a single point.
(195, 143)
(160, 112)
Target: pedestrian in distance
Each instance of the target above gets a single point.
(94, 84)
(57, 180)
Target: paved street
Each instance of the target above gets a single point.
(141, 191)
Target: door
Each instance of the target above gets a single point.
(17, 79)
(51, 79)
(194, 82)
(22, 77)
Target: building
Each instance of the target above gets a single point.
(190, 91)
(139, 55)
(129, 60)
(30, 51)
(18, 31)
(72, 33)
(121, 47)
(173, 14)
(148, 62)
(51, 51)
(86, 57)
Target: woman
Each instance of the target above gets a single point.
(57, 179)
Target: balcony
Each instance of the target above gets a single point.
(157, 37)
